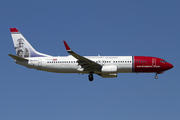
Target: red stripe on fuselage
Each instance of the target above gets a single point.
(150, 64)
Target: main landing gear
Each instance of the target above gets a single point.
(90, 76)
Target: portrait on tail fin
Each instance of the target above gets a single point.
(21, 50)
(22, 47)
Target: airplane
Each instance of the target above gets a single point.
(104, 66)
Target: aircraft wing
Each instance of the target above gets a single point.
(86, 63)
(17, 58)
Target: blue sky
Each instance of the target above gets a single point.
(126, 27)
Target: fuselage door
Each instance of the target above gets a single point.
(39, 63)
(154, 62)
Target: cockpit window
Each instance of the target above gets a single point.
(163, 61)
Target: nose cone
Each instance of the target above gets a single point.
(169, 66)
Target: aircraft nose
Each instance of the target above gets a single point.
(169, 65)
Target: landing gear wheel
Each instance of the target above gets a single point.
(156, 77)
(90, 77)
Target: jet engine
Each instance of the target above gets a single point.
(109, 71)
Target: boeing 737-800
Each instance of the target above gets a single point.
(104, 66)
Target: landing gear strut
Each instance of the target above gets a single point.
(156, 77)
(90, 77)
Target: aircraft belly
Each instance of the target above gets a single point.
(60, 68)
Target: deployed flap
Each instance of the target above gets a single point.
(86, 63)
(17, 58)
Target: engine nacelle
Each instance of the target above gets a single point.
(109, 71)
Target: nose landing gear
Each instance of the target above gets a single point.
(156, 77)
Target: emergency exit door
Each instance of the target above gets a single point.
(39, 63)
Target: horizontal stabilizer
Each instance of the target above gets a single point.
(17, 58)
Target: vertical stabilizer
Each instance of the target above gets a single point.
(22, 46)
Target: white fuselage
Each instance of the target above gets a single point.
(69, 64)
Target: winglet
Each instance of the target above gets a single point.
(67, 47)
